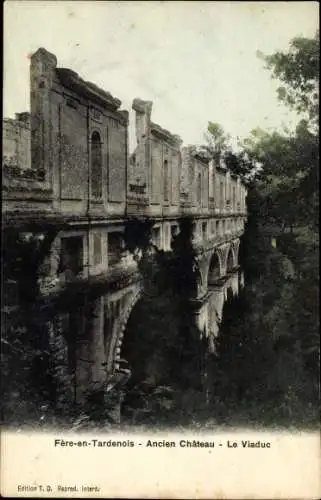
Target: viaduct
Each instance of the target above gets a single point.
(75, 197)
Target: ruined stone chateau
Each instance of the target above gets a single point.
(67, 165)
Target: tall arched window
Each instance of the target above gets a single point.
(211, 180)
(199, 189)
(234, 196)
(96, 165)
(191, 174)
(166, 181)
(221, 194)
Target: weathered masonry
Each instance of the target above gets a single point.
(72, 201)
(16, 144)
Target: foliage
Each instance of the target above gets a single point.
(217, 142)
(265, 369)
(37, 387)
(298, 71)
(289, 171)
(268, 348)
(218, 147)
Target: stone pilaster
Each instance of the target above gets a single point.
(97, 344)
(43, 65)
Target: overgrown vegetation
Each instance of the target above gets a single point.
(268, 350)
(161, 344)
(266, 367)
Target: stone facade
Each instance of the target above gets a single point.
(155, 167)
(82, 182)
(79, 139)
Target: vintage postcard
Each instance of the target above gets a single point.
(160, 242)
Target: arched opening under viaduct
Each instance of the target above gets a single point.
(149, 349)
(229, 294)
(214, 272)
(162, 352)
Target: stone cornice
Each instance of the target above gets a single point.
(165, 134)
(35, 220)
(70, 79)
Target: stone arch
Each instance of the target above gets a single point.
(222, 254)
(119, 329)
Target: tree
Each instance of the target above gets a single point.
(291, 161)
(217, 142)
(274, 342)
(299, 72)
(289, 171)
(285, 203)
(219, 149)
(240, 164)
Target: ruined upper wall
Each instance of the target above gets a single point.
(154, 174)
(79, 138)
(194, 179)
(79, 151)
(167, 179)
(16, 157)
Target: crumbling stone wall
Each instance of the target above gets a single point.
(154, 172)
(16, 142)
(195, 180)
(66, 112)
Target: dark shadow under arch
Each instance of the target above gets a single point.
(214, 272)
(150, 351)
(149, 339)
(230, 261)
(229, 294)
(159, 349)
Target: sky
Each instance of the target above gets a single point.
(196, 61)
